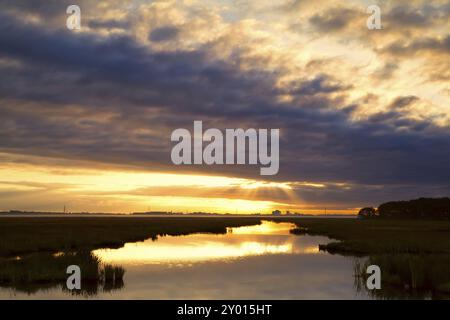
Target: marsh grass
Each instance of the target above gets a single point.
(111, 277)
(298, 231)
(36, 251)
(407, 275)
(19, 235)
(363, 237)
(45, 270)
(414, 255)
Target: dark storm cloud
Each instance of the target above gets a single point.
(370, 195)
(110, 99)
(402, 102)
(333, 19)
(91, 69)
(320, 84)
(109, 24)
(437, 45)
(405, 16)
(163, 34)
(53, 12)
(417, 16)
(46, 8)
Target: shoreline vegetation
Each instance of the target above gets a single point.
(22, 235)
(35, 251)
(44, 270)
(422, 208)
(414, 254)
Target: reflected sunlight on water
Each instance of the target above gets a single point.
(265, 239)
(263, 261)
(266, 227)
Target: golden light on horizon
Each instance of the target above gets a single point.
(44, 184)
(122, 191)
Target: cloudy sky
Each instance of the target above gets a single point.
(86, 116)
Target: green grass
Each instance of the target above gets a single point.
(45, 246)
(51, 234)
(363, 237)
(353, 236)
(414, 255)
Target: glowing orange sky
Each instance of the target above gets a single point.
(44, 187)
(87, 115)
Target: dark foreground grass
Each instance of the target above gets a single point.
(407, 276)
(35, 251)
(413, 255)
(52, 234)
(364, 237)
(39, 271)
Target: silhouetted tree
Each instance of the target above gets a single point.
(423, 208)
(367, 212)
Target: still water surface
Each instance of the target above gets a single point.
(255, 262)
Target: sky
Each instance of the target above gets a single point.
(87, 115)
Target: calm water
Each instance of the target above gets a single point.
(257, 262)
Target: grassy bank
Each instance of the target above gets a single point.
(45, 270)
(414, 255)
(352, 236)
(408, 275)
(47, 245)
(23, 235)
(364, 237)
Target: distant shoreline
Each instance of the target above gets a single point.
(35, 214)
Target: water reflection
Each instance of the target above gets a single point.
(264, 239)
(265, 228)
(266, 261)
(258, 262)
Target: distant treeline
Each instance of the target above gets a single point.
(423, 208)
